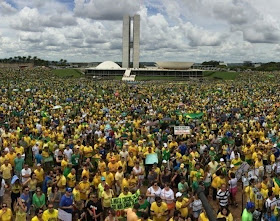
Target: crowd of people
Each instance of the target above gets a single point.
(70, 146)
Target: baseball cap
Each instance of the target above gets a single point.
(222, 160)
(182, 165)
(164, 161)
(250, 205)
(38, 164)
(103, 178)
(178, 194)
(211, 148)
(68, 189)
(231, 165)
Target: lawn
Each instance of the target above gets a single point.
(67, 73)
(221, 74)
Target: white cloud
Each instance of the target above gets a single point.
(195, 30)
(106, 9)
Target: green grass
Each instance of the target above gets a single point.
(65, 73)
(221, 74)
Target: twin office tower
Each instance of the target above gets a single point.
(131, 42)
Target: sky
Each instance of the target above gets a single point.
(171, 30)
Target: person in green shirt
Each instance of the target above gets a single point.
(75, 159)
(247, 214)
(144, 206)
(18, 164)
(38, 199)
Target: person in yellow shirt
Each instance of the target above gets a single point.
(85, 171)
(19, 149)
(60, 181)
(225, 213)
(249, 191)
(11, 156)
(50, 214)
(6, 213)
(159, 210)
(6, 170)
(84, 186)
(109, 177)
(236, 161)
(39, 174)
(71, 178)
(197, 174)
(87, 151)
(122, 163)
(38, 215)
(113, 166)
(97, 179)
(182, 204)
(216, 183)
(125, 192)
(125, 181)
(64, 162)
(101, 165)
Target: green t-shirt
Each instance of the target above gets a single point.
(19, 164)
(143, 206)
(75, 159)
(247, 216)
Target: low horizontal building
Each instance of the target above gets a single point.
(165, 69)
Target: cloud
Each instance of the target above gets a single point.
(241, 15)
(6, 8)
(106, 9)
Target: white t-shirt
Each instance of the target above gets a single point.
(2, 188)
(151, 199)
(232, 183)
(25, 172)
(270, 203)
(124, 154)
(167, 195)
(68, 153)
(35, 150)
(137, 171)
(197, 205)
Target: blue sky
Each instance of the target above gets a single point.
(177, 30)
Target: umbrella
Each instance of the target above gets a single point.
(167, 119)
(56, 107)
(152, 123)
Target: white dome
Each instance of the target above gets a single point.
(108, 65)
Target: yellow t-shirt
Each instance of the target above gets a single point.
(203, 217)
(85, 173)
(35, 218)
(6, 171)
(76, 195)
(184, 211)
(96, 181)
(39, 175)
(71, 180)
(88, 151)
(109, 178)
(216, 181)
(47, 216)
(61, 183)
(159, 210)
(107, 198)
(124, 183)
(19, 150)
(84, 187)
(7, 216)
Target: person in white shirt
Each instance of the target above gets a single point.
(35, 149)
(25, 173)
(271, 202)
(68, 153)
(2, 189)
(167, 196)
(124, 153)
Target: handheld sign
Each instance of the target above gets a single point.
(178, 130)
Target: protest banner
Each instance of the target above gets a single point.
(244, 167)
(64, 216)
(119, 204)
(178, 130)
(151, 159)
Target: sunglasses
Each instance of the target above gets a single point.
(155, 184)
(4, 206)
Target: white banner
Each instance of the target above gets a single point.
(64, 216)
(178, 130)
